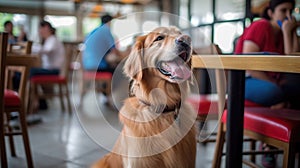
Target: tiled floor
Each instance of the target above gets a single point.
(76, 141)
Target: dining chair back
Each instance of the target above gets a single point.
(20, 47)
(13, 101)
(3, 51)
(209, 106)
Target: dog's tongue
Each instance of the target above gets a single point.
(178, 69)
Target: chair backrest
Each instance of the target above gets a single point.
(219, 75)
(20, 47)
(69, 51)
(3, 51)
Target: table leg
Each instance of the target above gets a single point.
(235, 118)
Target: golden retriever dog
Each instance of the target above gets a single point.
(158, 126)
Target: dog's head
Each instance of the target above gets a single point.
(165, 51)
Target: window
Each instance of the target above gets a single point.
(223, 21)
(65, 26)
(226, 34)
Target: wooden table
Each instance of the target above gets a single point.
(236, 66)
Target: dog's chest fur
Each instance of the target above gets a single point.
(156, 139)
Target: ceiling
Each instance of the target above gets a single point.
(61, 7)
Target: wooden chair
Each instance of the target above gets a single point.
(52, 81)
(94, 78)
(72, 48)
(20, 47)
(276, 127)
(14, 102)
(3, 50)
(208, 105)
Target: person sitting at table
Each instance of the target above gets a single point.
(99, 45)
(100, 53)
(8, 27)
(274, 33)
(52, 52)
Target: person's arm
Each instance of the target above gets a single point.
(249, 47)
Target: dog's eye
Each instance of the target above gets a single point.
(159, 38)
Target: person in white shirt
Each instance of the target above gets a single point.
(52, 52)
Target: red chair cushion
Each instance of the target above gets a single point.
(280, 124)
(45, 79)
(97, 75)
(208, 104)
(11, 98)
(249, 103)
(204, 104)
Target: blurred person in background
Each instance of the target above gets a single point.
(8, 27)
(275, 33)
(100, 48)
(100, 52)
(52, 54)
(23, 35)
(52, 51)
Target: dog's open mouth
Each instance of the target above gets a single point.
(176, 69)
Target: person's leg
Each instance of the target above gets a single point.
(267, 94)
(41, 71)
(291, 88)
(263, 92)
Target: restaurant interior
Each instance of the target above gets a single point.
(78, 127)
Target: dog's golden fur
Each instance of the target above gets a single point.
(150, 137)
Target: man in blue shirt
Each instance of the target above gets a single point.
(98, 45)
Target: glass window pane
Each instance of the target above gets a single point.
(225, 35)
(200, 36)
(65, 27)
(230, 9)
(201, 11)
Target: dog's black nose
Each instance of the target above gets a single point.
(183, 40)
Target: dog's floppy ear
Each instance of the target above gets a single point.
(133, 66)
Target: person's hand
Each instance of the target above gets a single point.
(290, 24)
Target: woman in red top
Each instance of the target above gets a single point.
(275, 33)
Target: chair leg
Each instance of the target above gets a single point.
(219, 147)
(25, 138)
(82, 92)
(61, 97)
(2, 142)
(289, 155)
(68, 99)
(108, 88)
(11, 142)
(8, 132)
(33, 103)
(253, 148)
